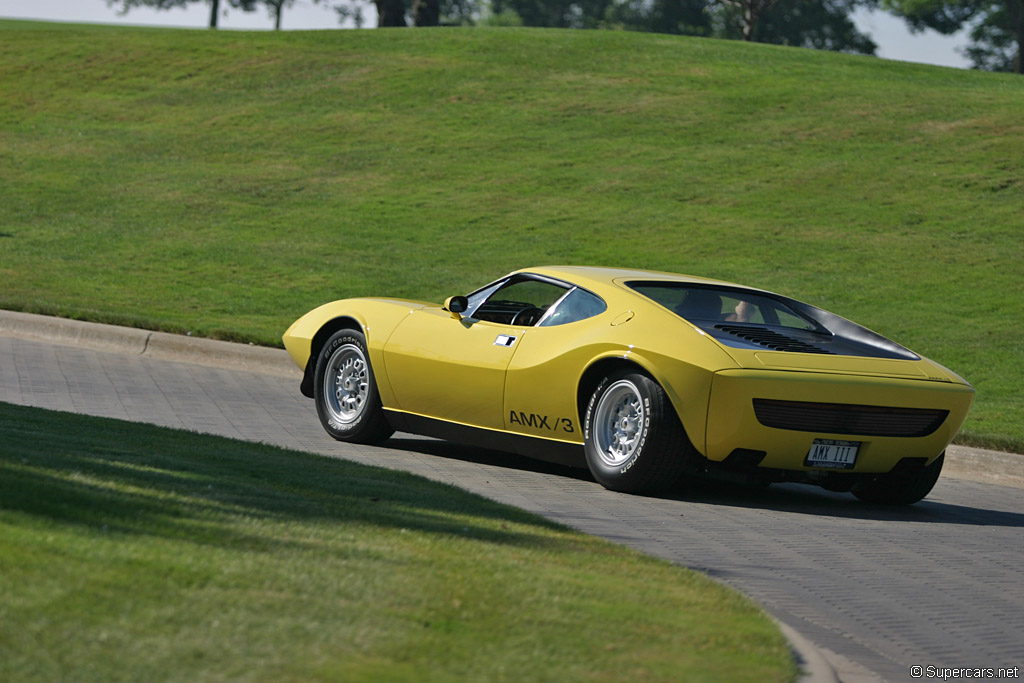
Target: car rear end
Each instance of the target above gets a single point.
(812, 394)
(824, 421)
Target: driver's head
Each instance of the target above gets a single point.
(701, 304)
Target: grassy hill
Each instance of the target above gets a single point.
(226, 182)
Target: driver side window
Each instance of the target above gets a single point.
(520, 301)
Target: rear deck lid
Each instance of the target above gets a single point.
(881, 367)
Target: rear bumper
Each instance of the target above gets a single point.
(733, 422)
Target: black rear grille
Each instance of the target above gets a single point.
(770, 339)
(845, 418)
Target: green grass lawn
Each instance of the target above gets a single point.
(137, 553)
(224, 183)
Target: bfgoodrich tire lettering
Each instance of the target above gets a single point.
(345, 392)
(632, 436)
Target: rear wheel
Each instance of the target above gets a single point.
(900, 488)
(633, 439)
(345, 392)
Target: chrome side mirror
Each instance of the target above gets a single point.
(456, 305)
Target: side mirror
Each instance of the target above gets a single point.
(456, 305)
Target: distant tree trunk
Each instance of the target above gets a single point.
(426, 12)
(750, 13)
(1016, 10)
(749, 22)
(214, 11)
(278, 8)
(390, 13)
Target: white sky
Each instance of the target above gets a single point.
(891, 34)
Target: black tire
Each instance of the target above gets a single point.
(900, 488)
(633, 439)
(345, 391)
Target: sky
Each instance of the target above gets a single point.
(890, 33)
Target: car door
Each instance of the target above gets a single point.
(449, 369)
(542, 377)
(454, 369)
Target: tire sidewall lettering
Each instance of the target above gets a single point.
(326, 353)
(590, 408)
(588, 424)
(663, 453)
(338, 343)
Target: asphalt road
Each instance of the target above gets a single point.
(877, 590)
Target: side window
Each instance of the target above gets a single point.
(787, 319)
(478, 297)
(577, 305)
(520, 301)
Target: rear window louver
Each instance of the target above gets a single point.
(770, 339)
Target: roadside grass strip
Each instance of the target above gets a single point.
(130, 552)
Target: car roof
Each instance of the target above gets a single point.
(600, 277)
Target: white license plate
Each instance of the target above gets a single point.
(833, 454)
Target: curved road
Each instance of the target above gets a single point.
(876, 590)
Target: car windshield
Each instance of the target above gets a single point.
(709, 304)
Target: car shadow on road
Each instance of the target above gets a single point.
(787, 498)
(805, 499)
(485, 456)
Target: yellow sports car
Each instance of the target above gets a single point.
(643, 377)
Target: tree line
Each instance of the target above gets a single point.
(996, 26)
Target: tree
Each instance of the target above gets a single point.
(679, 17)
(746, 14)
(276, 8)
(246, 5)
(997, 27)
(390, 13)
(818, 24)
(426, 12)
(556, 13)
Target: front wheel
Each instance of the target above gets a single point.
(345, 392)
(899, 488)
(633, 439)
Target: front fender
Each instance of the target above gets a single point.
(375, 318)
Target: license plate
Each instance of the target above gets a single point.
(833, 454)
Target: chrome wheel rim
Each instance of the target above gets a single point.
(618, 423)
(346, 384)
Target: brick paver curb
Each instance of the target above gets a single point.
(813, 667)
(160, 345)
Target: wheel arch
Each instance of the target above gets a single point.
(593, 375)
(344, 322)
(693, 428)
(661, 451)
